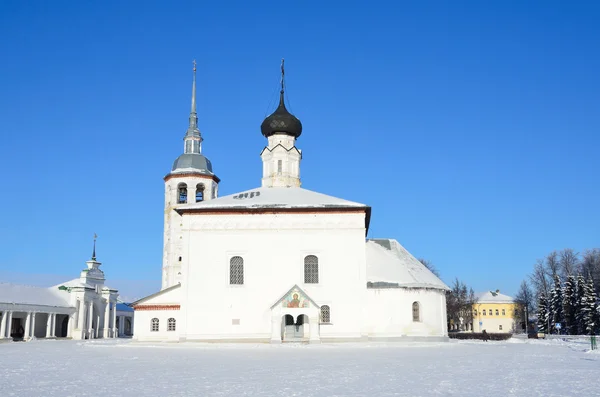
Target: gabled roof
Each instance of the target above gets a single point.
(295, 287)
(389, 263)
(273, 197)
(162, 291)
(493, 297)
(29, 295)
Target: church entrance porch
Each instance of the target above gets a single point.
(295, 318)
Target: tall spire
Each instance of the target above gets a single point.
(193, 111)
(94, 251)
(192, 138)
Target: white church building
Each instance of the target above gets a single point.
(279, 263)
(82, 308)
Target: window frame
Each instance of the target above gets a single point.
(236, 282)
(416, 305)
(155, 323)
(311, 276)
(171, 324)
(325, 309)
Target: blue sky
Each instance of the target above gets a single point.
(471, 128)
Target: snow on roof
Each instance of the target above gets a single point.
(76, 282)
(389, 262)
(30, 295)
(493, 297)
(275, 197)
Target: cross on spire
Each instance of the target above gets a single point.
(282, 74)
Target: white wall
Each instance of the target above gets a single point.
(273, 247)
(143, 318)
(389, 312)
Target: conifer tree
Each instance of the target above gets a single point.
(578, 310)
(556, 305)
(570, 305)
(542, 313)
(589, 307)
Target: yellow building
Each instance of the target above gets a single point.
(494, 312)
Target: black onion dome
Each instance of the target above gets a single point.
(281, 122)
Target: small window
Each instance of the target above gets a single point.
(154, 323)
(236, 270)
(171, 324)
(279, 166)
(483, 312)
(503, 312)
(475, 312)
(497, 313)
(500, 327)
(325, 314)
(182, 193)
(199, 192)
(311, 269)
(415, 312)
(179, 259)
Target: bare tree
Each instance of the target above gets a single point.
(590, 267)
(569, 262)
(540, 279)
(553, 264)
(459, 304)
(526, 301)
(429, 265)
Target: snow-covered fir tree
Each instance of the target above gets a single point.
(556, 306)
(570, 305)
(579, 311)
(589, 307)
(542, 313)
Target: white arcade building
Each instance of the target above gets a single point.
(82, 308)
(279, 262)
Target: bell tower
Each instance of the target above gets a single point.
(190, 181)
(281, 158)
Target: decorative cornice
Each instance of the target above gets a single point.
(156, 307)
(191, 174)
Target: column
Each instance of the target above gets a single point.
(33, 325)
(49, 325)
(53, 328)
(275, 330)
(314, 330)
(114, 320)
(106, 330)
(9, 324)
(121, 325)
(90, 318)
(81, 315)
(3, 325)
(70, 321)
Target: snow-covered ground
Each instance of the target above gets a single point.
(124, 368)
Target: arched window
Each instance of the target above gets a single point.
(199, 192)
(181, 193)
(504, 312)
(416, 312)
(279, 166)
(497, 313)
(311, 269)
(325, 314)
(154, 327)
(171, 324)
(236, 270)
(484, 312)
